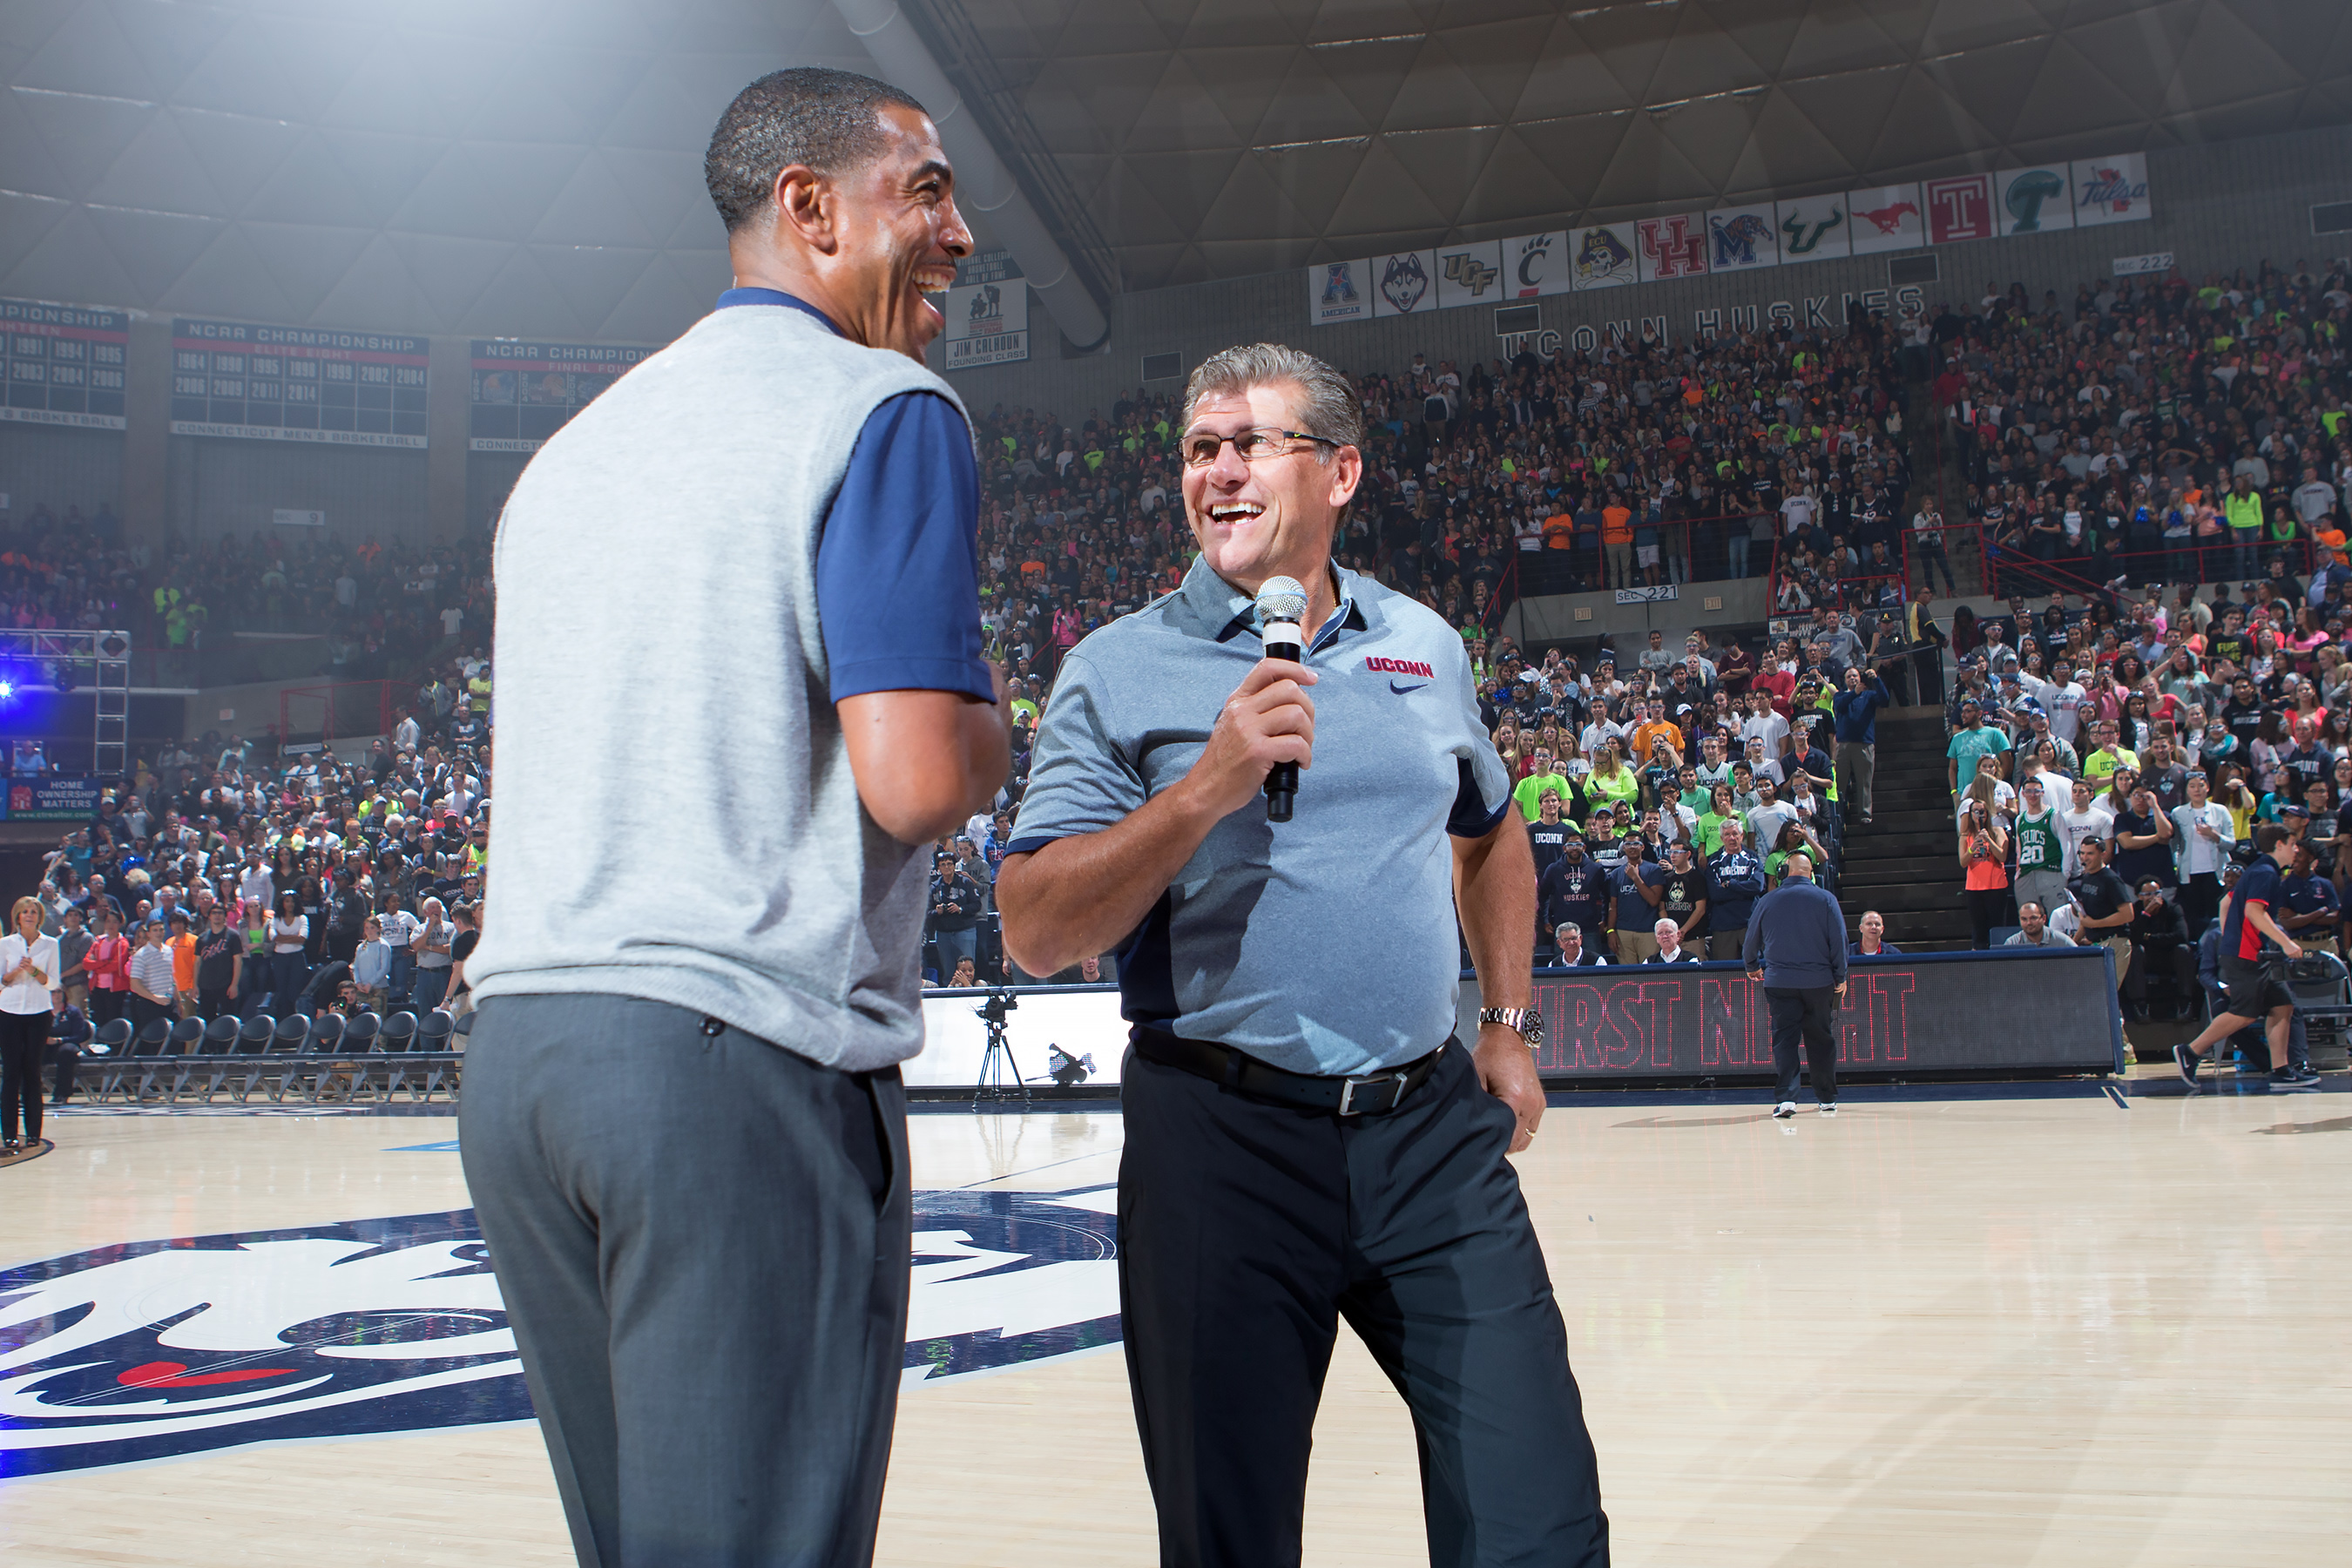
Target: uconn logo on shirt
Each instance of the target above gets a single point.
(156, 1350)
(1417, 673)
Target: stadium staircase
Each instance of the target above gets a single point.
(1906, 864)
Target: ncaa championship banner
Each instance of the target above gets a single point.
(62, 365)
(523, 392)
(297, 384)
(988, 314)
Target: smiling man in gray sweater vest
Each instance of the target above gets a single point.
(754, 559)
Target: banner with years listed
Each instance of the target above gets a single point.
(61, 365)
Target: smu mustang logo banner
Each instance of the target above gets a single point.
(161, 1349)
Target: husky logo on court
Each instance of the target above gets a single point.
(160, 1348)
(1403, 282)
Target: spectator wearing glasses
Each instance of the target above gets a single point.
(1984, 853)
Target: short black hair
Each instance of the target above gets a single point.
(809, 114)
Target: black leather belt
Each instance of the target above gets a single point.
(1372, 1094)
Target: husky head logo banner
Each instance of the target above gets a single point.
(1604, 257)
(1404, 283)
(160, 1348)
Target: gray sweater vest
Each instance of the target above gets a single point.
(675, 817)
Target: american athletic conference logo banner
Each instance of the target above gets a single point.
(159, 1350)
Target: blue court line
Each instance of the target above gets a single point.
(448, 1147)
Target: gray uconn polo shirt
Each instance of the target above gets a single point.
(1324, 944)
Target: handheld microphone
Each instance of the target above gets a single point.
(1281, 605)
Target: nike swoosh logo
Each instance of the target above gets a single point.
(1401, 691)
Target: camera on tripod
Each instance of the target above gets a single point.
(1000, 1002)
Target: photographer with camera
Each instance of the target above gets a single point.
(956, 900)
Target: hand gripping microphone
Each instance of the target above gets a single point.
(1281, 605)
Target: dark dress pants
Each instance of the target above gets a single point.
(1248, 1230)
(1805, 1018)
(703, 1243)
(24, 1042)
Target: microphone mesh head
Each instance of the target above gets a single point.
(1281, 599)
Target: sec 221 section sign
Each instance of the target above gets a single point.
(297, 384)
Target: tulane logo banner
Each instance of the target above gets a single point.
(159, 1350)
(2033, 201)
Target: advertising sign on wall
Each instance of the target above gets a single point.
(523, 392)
(297, 384)
(53, 799)
(988, 313)
(63, 365)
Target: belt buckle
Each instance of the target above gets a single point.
(1347, 1106)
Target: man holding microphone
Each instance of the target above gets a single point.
(1307, 1139)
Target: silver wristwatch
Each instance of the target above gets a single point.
(1525, 1021)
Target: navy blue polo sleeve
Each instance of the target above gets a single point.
(898, 567)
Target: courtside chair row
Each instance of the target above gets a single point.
(365, 1056)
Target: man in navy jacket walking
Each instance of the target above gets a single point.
(1796, 950)
(1854, 712)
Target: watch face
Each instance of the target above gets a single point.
(1531, 1027)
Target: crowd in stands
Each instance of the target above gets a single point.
(2113, 755)
(220, 882)
(382, 609)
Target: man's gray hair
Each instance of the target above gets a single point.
(1328, 406)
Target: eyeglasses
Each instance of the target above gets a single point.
(1199, 448)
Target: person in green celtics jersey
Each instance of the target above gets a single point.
(2041, 854)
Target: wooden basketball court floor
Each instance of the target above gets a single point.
(2049, 1326)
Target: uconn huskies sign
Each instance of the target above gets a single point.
(160, 1348)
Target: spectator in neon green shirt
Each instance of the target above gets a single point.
(1541, 776)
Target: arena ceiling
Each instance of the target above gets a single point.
(532, 167)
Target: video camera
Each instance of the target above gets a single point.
(1001, 1001)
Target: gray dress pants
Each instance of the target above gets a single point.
(703, 1244)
